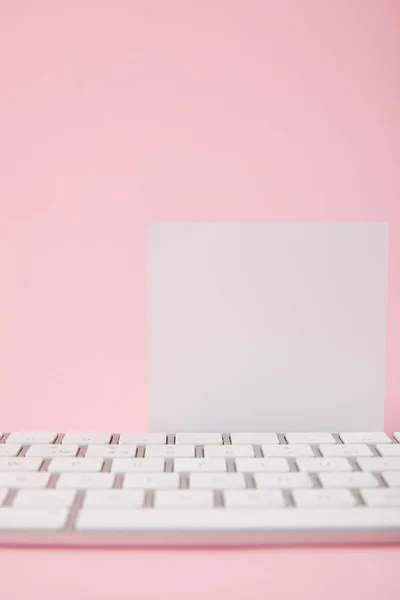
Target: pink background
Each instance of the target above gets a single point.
(119, 113)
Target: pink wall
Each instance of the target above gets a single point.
(119, 113)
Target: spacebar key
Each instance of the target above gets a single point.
(239, 520)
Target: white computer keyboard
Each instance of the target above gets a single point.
(134, 489)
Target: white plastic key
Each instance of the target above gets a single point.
(115, 498)
(75, 465)
(169, 451)
(7, 450)
(381, 497)
(3, 494)
(254, 438)
(228, 451)
(24, 480)
(142, 439)
(254, 499)
(31, 437)
(282, 480)
(111, 450)
(310, 438)
(183, 499)
(217, 481)
(388, 449)
(52, 450)
(151, 481)
(287, 450)
(200, 465)
(378, 437)
(355, 479)
(345, 450)
(138, 465)
(20, 464)
(391, 478)
(258, 465)
(397, 436)
(323, 498)
(85, 481)
(316, 464)
(389, 463)
(211, 520)
(198, 439)
(83, 438)
(32, 519)
(44, 498)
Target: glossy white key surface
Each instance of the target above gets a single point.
(114, 498)
(169, 451)
(20, 464)
(84, 438)
(200, 465)
(217, 481)
(355, 479)
(287, 450)
(388, 449)
(34, 437)
(323, 464)
(258, 465)
(44, 498)
(151, 481)
(32, 519)
(111, 450)
(75, 465)
(343, 450)
(310, 438)
(365, 437)
(143, 438)
(198, 439)
(183, 499)
(228, 451)
(254, 499)
(52, 450)
(7, 450)
(254, 438)
(323, 498)
(389, 463)
(24, 480)
(381, 497)
(3, 494)
(282, 480)
(391, 478)
(137, 465)
(85, 481)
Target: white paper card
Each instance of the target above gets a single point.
(266, 326)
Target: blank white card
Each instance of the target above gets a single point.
(266, 326)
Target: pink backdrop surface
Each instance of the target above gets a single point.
(115, 114)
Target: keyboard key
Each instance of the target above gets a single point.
(169, 451)
(388, 449)
(349, 450)
(34, 437)
(217, 481)
(75, 465)
(314, 465)
(228, 451)
(287, 450)
(3, 494)
(184, 499)
(7, 450)
(44, 498)
(391, 463)
(397, 436)
(83, 438)
(142, 439)
(137, 465)
(24, 480)
(365, 438)
(151, 481)
(198, 439)
(355, 479)
(111, 450)
(258, 465)
(392, 479)
(200, 465)
(51, 450)
(254, 499)
(310, 438)
(20, 464)
(323, 498)
(114, 499)
(35, 519)
(381, 497)
(254, 438)
(282, 480)
(85, 481)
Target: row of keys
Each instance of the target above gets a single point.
(85, 438)
(290, 480)
(252, 498)
(183, 465)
